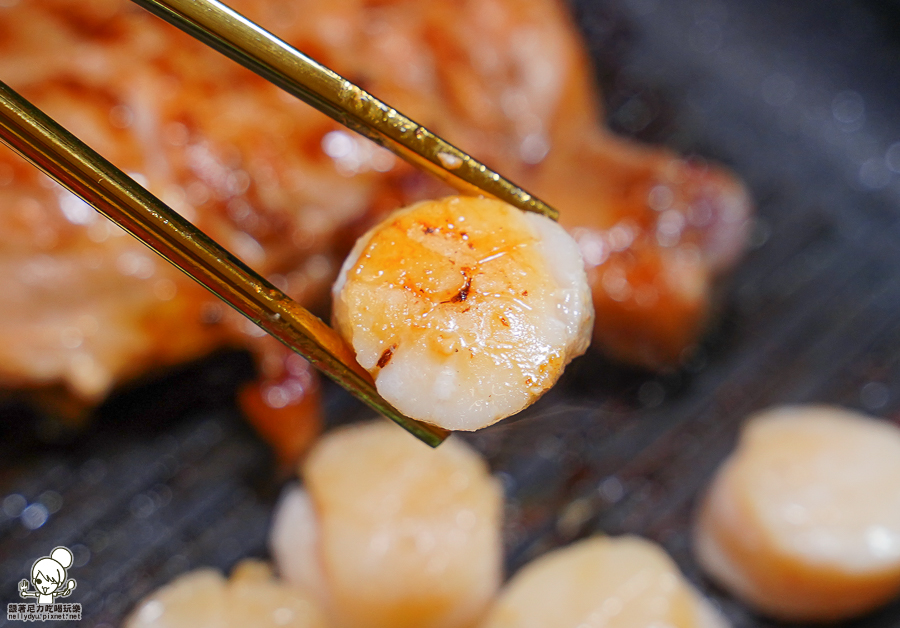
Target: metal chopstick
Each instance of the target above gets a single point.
(73, 164)
(236, 37)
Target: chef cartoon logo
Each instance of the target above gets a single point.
(50, 581)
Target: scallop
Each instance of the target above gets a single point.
(390, 533)
(464, 310)
(602, 582)
(803, 520)
(251, 597)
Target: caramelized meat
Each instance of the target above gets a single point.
(84, 307)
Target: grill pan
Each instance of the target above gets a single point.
(798, 98)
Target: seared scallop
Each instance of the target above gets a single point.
(465, 310)
(622, 582)
(803, 520)
(391, 534)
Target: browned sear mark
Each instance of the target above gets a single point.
(504, 321)
(463, 293)
(386, 356)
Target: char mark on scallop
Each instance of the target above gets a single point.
(386, 356)
(463, 293)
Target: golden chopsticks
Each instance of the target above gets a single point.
(73, 164)
(255, 48)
